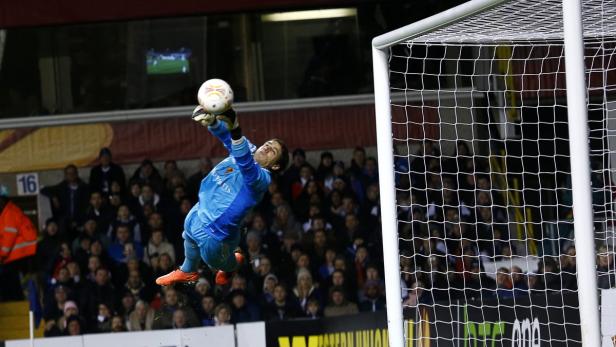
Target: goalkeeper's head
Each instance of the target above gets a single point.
(273, 155)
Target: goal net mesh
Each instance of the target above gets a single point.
(483, 186)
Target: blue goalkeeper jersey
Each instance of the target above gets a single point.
(232, 188)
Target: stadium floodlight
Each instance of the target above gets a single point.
(484, 179)
(309, 15)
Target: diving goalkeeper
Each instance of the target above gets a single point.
(226, 195)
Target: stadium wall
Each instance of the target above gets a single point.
(34, 149)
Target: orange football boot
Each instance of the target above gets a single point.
(222, 278)
(177, 276)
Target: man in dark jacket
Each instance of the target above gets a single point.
(242, 310)
(373, 299)
(282, 308)
(106, 172)
(101, 291)
(69, 198)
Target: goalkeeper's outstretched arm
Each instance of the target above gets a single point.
(253, 174)
(216, 127)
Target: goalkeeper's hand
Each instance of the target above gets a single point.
(200, 116)
(230, 118)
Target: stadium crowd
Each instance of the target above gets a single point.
(453, 218)
(313, 247)
(313, 244)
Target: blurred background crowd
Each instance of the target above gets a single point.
(313, 247)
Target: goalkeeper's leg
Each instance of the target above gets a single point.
(223, 256)
(188, 271)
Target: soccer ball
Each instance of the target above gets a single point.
(215, 96)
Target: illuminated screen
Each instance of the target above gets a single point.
(168, 61)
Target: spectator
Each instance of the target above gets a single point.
(172, 176)
(73, 326)
(101, 291)
(253, 248)
(118, 324)
(74, 272)
(417, 295)
(284, 222)
(103, 319)
(54, 305)
(222, 315)
(360, 262)
(325, 170)
(269, 284)
(165, 264)
(69, 199)
(270, 240)
(316, 221)
(123, 247)
(165, 315)
(157, 246)
(327, 267)
(319, 245)
(242, 311)
(70, 310)
(179, 320)
(292, 173)
(149, 198)
(80, 248)
(97, 249)
(373, 299)
(202, 288)
(297, 186)
(370, 172)
(568, 269)
(308, 203)
(136, 287)
(60, 261)
(105, 173)
(371, 207)
(282, 308)
(142, 317)
(207, 312)
(99, 211)
(147, 174)
(49, 245)
(519, 281)
(305, 288)
(125, 217)
(313, 309)
(338, 279)
(94, 263)
(339, 305)
(549, 276)
(259, 275)
(358, 161)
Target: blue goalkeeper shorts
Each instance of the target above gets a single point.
(218, 255)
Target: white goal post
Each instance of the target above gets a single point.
(522, 73)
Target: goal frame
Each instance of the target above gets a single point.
(579, 154)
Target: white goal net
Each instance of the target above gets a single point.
(483, 188)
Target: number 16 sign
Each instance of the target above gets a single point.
(27, 184)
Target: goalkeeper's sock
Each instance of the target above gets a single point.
(192, 257)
